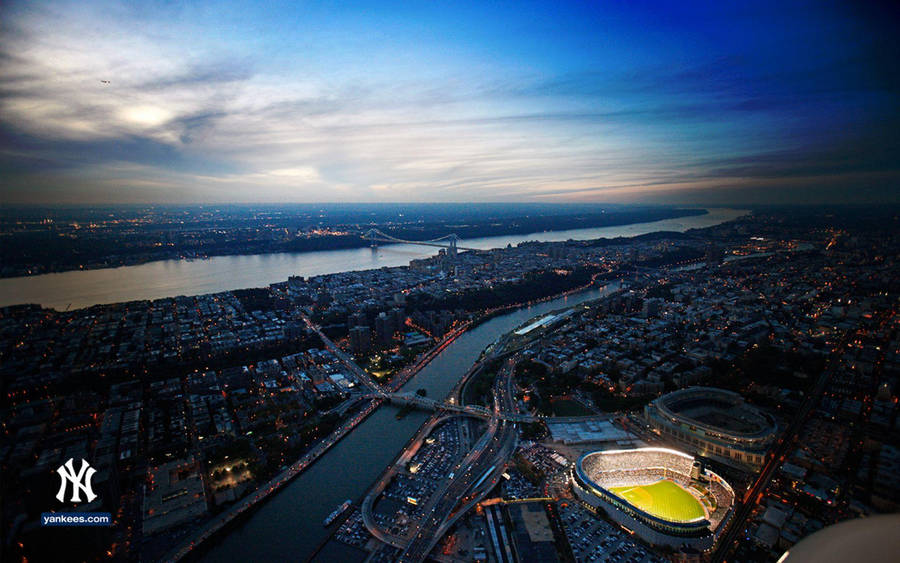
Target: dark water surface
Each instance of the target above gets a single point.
(289, 526)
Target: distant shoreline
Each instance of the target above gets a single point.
(174, 278)
(346, 240)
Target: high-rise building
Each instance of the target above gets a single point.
(384, 329)
(399, 316)
(650, 308)
(360, 339)
(714, 256)
(357, 318)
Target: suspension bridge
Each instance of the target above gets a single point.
(450, 242)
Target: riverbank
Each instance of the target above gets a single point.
(60, 252)
(403, 376)
(225, 520)
(170, 278)
(232, 516)
(287, 526)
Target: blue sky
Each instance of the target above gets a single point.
(617, 101)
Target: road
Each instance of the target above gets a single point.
(272, 486)
(782, 447)
(357, 371)
(476, 476)
(400, 379)
(368, 503)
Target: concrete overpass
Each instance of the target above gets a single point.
(478, 474)
(445, 406)
(368, 503)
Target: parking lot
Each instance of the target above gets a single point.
(598, 541)
(402, 501)
(517, 486)
(353, 531)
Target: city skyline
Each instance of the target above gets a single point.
(504, 282)
(653, 103)
(724, 391)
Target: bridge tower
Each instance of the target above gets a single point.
(452, 240)
(372, 236)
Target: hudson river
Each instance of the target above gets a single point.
(169, 278)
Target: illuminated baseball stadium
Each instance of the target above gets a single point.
(664, 496)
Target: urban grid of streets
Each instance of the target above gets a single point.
(765, 289)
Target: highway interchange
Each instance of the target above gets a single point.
(476, 475)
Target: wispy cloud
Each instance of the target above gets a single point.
(185, 104)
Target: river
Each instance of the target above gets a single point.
(288, 527)
(168, 278)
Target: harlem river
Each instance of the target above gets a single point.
(169, 278)
(288, 526)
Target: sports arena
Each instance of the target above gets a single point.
(714, 423)
(664, 496)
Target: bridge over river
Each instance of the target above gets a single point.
(449, 406)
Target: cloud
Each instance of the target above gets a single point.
(190, 105)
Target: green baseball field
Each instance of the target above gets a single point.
(664, 499)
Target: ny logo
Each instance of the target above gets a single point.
(81, 481)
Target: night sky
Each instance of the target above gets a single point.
(681, 102)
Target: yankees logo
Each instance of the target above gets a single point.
(81, 481)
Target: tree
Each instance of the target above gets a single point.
(533, 430)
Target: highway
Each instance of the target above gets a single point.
(400, 379)
(272, 486)
(476, 476)
(368, 503)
